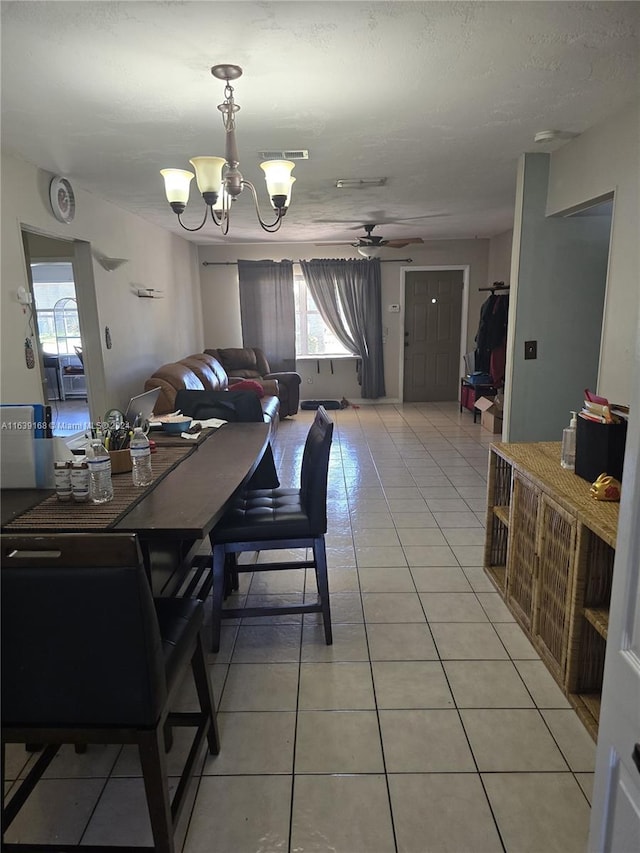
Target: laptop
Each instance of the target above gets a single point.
(142, 404)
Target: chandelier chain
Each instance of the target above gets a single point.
(228, 109)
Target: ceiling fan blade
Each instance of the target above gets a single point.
(339, 243)
(400, 244)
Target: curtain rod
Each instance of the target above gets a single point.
(382, 261)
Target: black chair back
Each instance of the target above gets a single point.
(314, 471)
(80, 636)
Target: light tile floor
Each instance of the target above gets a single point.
(430, 724)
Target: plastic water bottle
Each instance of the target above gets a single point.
(100, 485)
(140, 458)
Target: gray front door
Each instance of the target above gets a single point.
(433, 310)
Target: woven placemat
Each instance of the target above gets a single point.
(63, 516)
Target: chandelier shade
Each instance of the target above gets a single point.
(176, 186)
(208, 173)
(219, 179)
(277, 174)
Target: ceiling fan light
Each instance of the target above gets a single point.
(176, 185)
(208, 173)
(277, 174)
(369, 251)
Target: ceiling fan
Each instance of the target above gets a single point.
(372, 241)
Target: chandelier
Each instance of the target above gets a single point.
(218, 178)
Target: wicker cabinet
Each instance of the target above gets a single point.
(549, 551)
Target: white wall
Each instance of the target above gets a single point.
(603, 159)
(221, 302)
(500, 257)
(145, 332)
(557, 297)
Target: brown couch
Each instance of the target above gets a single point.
(251, 363)
(202, 372)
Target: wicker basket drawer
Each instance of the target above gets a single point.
(556, 564)
(522, 557)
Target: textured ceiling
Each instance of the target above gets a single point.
(440, 98)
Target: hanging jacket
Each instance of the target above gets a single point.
(492, 329)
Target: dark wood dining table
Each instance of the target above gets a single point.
(178, 511)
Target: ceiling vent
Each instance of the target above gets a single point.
(359, 183)
(293, 154)
(554, 135)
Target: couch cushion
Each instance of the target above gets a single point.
(170, 378)
(212, 360)
(247, 362)
(209, 371)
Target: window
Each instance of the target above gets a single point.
(53, 286)
(313, 337)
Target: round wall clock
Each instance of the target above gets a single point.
(63, 202)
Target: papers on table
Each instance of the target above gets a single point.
(209, 423)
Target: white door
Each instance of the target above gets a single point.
(615, 815)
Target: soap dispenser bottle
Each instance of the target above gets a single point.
(568, 455)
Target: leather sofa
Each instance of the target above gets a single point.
(202, 372)
(251, 363)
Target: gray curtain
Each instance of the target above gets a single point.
(347, 293)
(267, 311)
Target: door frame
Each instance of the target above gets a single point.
(464, 313)
(86, 299)
(616, 777)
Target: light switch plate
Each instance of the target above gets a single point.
(530, 349)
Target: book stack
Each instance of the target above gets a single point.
(599, 409)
